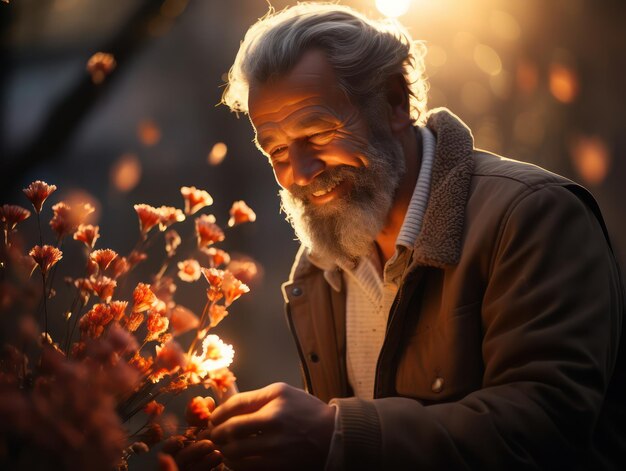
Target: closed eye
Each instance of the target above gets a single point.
(323, 137)
(277, 151)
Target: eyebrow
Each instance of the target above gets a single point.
(300, 126)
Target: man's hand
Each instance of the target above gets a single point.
(277, 427)
(197, 455)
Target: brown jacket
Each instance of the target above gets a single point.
(502, 342)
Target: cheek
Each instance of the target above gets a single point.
(349, 149)
(281, 174)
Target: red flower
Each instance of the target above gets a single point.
(118, 267)
(216, 314)
(46, 257)
(144, 298)
(216, 256)
(135, 257)
(240, 212)
(207, 232)
(198, 411)
(169, 216)
(118, 309)
(133, 322)
(94, 321)
(141, 364)
(182, 320)
(154, 408)
(214, 278)
(232, 288)
(189, 270)
(66, 219)
(195, 199)
(88, 234)
(103, 287)
(103, 258)
(244, 270)
(157, 324)
(149, 217)
(37, 192)
(172, 241)
(12, 214)
(169, 357)
(100, 65)
(221, 380)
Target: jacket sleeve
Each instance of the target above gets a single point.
(551, 319)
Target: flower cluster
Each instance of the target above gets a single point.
(72, 389)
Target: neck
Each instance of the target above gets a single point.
(411, 142)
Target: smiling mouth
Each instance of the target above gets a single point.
(319, 193)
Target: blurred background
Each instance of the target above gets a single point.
(538, 81)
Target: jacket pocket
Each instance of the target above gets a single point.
(442, 361)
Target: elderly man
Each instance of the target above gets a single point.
(452, 309)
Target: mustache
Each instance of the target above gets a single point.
(324, 180)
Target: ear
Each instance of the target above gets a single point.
(398, 100)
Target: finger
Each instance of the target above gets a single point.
(246, 402)
(260, 445)
(166, 462)
(207, 462)
(242, 426)
(193, 453)
(174, 444)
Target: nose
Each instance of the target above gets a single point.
(306, 164)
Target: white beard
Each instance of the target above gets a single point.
(344, 229)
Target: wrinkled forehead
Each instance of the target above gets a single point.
(312, 79)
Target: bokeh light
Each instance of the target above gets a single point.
(591, 158)
(504, 25)
(126, 172)
(487, 59)
(218, 153)
(563, 83)
(148, 132)
(393, 8)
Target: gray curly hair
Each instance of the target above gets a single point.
(364, 53)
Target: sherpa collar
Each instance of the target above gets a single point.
(439, 241)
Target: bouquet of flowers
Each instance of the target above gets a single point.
(68, 394)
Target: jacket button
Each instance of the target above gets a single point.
(296, 291)
(437, 386)
(314, 357)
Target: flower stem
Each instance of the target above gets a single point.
(45, 303)
(39, 226)
(200, 327)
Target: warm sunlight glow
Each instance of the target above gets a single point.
(393, 8)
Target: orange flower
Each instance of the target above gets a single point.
(172, 241)
(214, 278)
(103, 287)
(37, 192)
(240, 212)
(84, 286)
(93, 323)
(232, 288)
(216, 314)
(133, 322)
(169, 357)
(149, 217)
(221, 380)
(148, 132)
(141, 364)
(103, 258)
(169, 216)
(182, 320)
(157, 324)
(144, 298)
(216, 256)
(118, 309)
(118, 267)
(198, 411)
(12, 214)
(88, 234)
(244, 270)
(46, 257)
(207, 232)
(154, 408)
(189, 270)
(66, 219)
(100, 65)
(195, 199)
